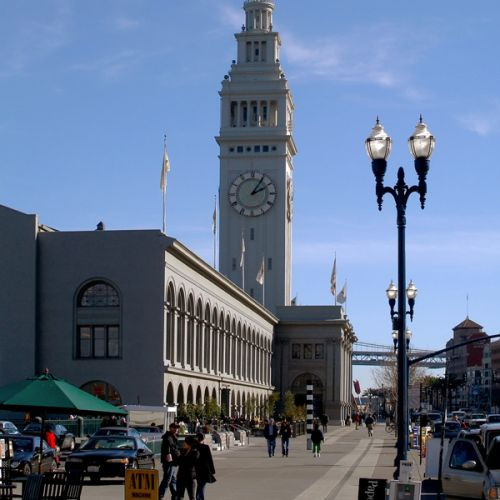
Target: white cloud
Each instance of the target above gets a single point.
(125, 23)
(483, 122)
(36, 40)
(231, 16)
(378, 55)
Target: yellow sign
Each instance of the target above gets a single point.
(141, 484)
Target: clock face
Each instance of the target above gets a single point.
(252, 194)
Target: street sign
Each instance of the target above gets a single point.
(371, 489)
(141, 484)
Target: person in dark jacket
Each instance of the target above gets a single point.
(169, 460)
(186, 475)
(270, 433)
(369, 421)
(316, 438)
(205, 469)
(286, 434)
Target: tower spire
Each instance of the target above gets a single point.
(259, 15)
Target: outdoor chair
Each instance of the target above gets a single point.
(6, 491)
(54, 486)
(5, 475)
(33, 487)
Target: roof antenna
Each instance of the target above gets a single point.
(467, 305)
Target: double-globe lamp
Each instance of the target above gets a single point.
(378, 146)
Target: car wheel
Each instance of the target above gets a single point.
(95, 478)
(27, 469)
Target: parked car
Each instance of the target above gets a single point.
(434, 417)
(117, 431)
(474, 420)
(7, 427)
(488, 432)
(64, 439)
(493, 418)
(451, 429)
(148, 432)
(26, 453)
(467, 473)
(110, 456)
(459, 414)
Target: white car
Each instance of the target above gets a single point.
(7, 427)
(467, 473)
(493, 418)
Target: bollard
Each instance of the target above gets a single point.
(309, 409)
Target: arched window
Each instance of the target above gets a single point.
(206, 347)
(170, 323)
(103, 390)
(181, 330)
(221, 343)
(98, 294)
(215, 335)
(190, 330)
(98, 318)
(199, 346)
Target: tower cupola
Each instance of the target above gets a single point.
(259, 15)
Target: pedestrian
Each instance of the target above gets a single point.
(356, 420)
(369, 421)
(51, 440)
(270, 433)
(324, 422)
(286, 434)
(186, 474)
(205, 469)
(169, 460)
(316, 438)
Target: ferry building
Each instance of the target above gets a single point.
(136, 317)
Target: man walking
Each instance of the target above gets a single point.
(324, 422)
(169, 460)
(286, 434)
(369, 421)
(270, 433)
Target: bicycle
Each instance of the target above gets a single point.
(390, 427)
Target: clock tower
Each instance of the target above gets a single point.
(256, 163)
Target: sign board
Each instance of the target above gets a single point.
(405, 491)
(371, 489)
(2, 449)
(405, 467)
(141, 484)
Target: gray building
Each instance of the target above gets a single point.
(131, 316)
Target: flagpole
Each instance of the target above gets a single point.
(164, 184)
(335, 294)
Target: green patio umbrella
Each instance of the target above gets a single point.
(49, 394)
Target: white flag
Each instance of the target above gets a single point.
(333, 279)
(260, 274)
(342, 296)
(164, 169)
(242, 258)
(214, 219)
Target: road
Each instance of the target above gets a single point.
(248, 473)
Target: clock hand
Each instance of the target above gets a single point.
(259, 190)
(255, 188)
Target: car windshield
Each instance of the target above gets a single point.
(22, 445)
(449, 426)
(33, 427)
(478, 415)
(434, 416)
(111, 432)
(110, 443)
(494, 419)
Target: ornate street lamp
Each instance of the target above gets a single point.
(378, 146)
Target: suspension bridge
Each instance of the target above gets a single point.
(381, 355)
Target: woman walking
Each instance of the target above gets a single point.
(186, 474)
(316, 438)
(204, 466)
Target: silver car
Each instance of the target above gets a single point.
(467, 473)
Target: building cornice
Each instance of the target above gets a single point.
(178, 250)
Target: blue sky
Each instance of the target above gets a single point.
(89, 88)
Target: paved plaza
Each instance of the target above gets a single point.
(249, 474)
